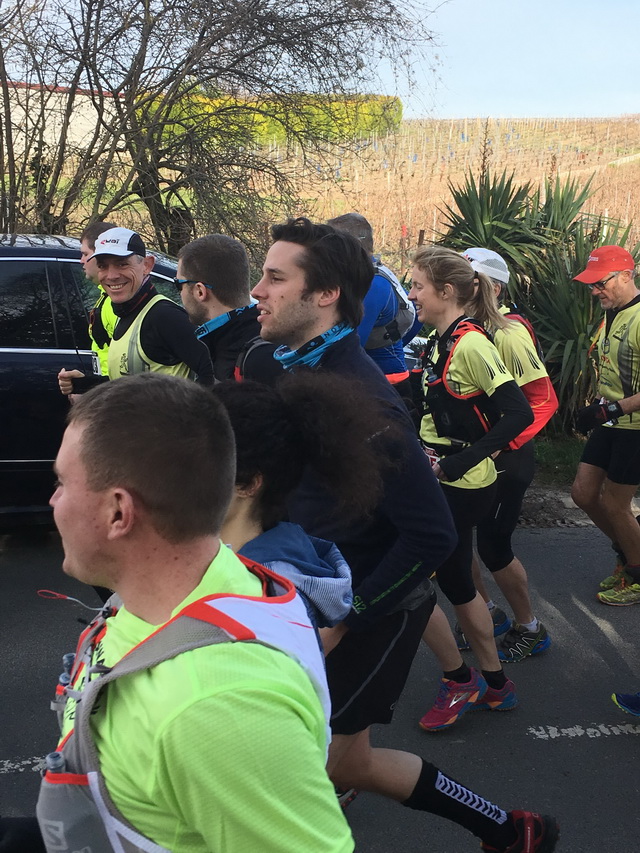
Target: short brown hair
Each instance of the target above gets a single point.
(94, 230)
(356, 225)
(168, 441)
(221, 262)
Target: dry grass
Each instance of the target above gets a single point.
(399, 181)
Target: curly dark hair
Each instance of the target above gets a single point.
(316, 419)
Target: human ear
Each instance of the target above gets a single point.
(250, 490)
(121, 509)
(329, 297)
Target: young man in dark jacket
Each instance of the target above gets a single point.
(310, 303)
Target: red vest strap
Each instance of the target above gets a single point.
(460, 331)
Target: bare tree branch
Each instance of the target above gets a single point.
(160, 109)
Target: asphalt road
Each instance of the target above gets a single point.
(567, 750)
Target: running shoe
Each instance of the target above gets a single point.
(614, 579)
(625, 593)
(629, 702)
(453, 700)
(537, 833)
(518, 643)
(345, 797)
(499, 700)
(501, 624)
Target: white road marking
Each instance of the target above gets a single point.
(592, 731)
(19, 765)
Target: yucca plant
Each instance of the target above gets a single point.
(554, 210)
(566, 318)
(492, 212)
(545, 239)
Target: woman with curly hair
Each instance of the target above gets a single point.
(309, 420)
(330, 424)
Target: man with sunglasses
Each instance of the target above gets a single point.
(213, 283)
(609, 471)
(152, 333)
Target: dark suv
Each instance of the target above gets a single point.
(45, 300)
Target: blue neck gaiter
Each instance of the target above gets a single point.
(217, 322)
(311, 352)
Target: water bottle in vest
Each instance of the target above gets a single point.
(55, 762)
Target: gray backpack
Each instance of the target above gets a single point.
(384, 336)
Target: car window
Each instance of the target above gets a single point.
(26, 318)
(165, 286)
(75, 295)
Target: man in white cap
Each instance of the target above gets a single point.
(515, 465)
(153, 333)
(609, 471)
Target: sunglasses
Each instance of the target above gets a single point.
(180, 282)
(599, 286)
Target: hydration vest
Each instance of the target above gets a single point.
(520, 318)
(75, 811)
(392, 332)
(462, 418)
(102, 322)
(127, 358)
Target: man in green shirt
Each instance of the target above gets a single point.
(609, 471)
(216, 747)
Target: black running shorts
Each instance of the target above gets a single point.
(368, 669)
(617, 451)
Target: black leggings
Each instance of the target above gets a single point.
(468, 507)
(493, 537)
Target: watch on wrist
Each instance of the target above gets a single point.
(615, 410)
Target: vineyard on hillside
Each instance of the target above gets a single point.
(400, 180)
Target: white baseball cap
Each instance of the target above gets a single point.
(121, 242)
(488, 262)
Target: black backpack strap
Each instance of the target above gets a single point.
(245, 352)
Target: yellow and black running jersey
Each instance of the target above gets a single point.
(619, 360)
(518, 351)
(475, 366)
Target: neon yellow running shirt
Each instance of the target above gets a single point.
(220, 749)
(619, 361)
(518, 351)
(475, 365)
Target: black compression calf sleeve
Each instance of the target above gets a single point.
(440, 795)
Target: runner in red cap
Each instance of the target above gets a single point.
(605, 260)
(609, 472)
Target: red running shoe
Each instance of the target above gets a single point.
(536, 834)
(452, 701)
(499, 700)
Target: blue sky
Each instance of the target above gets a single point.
(512, 58)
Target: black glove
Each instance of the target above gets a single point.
(456, 466)
(597, 414)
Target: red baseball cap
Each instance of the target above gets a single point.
(605, 260)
